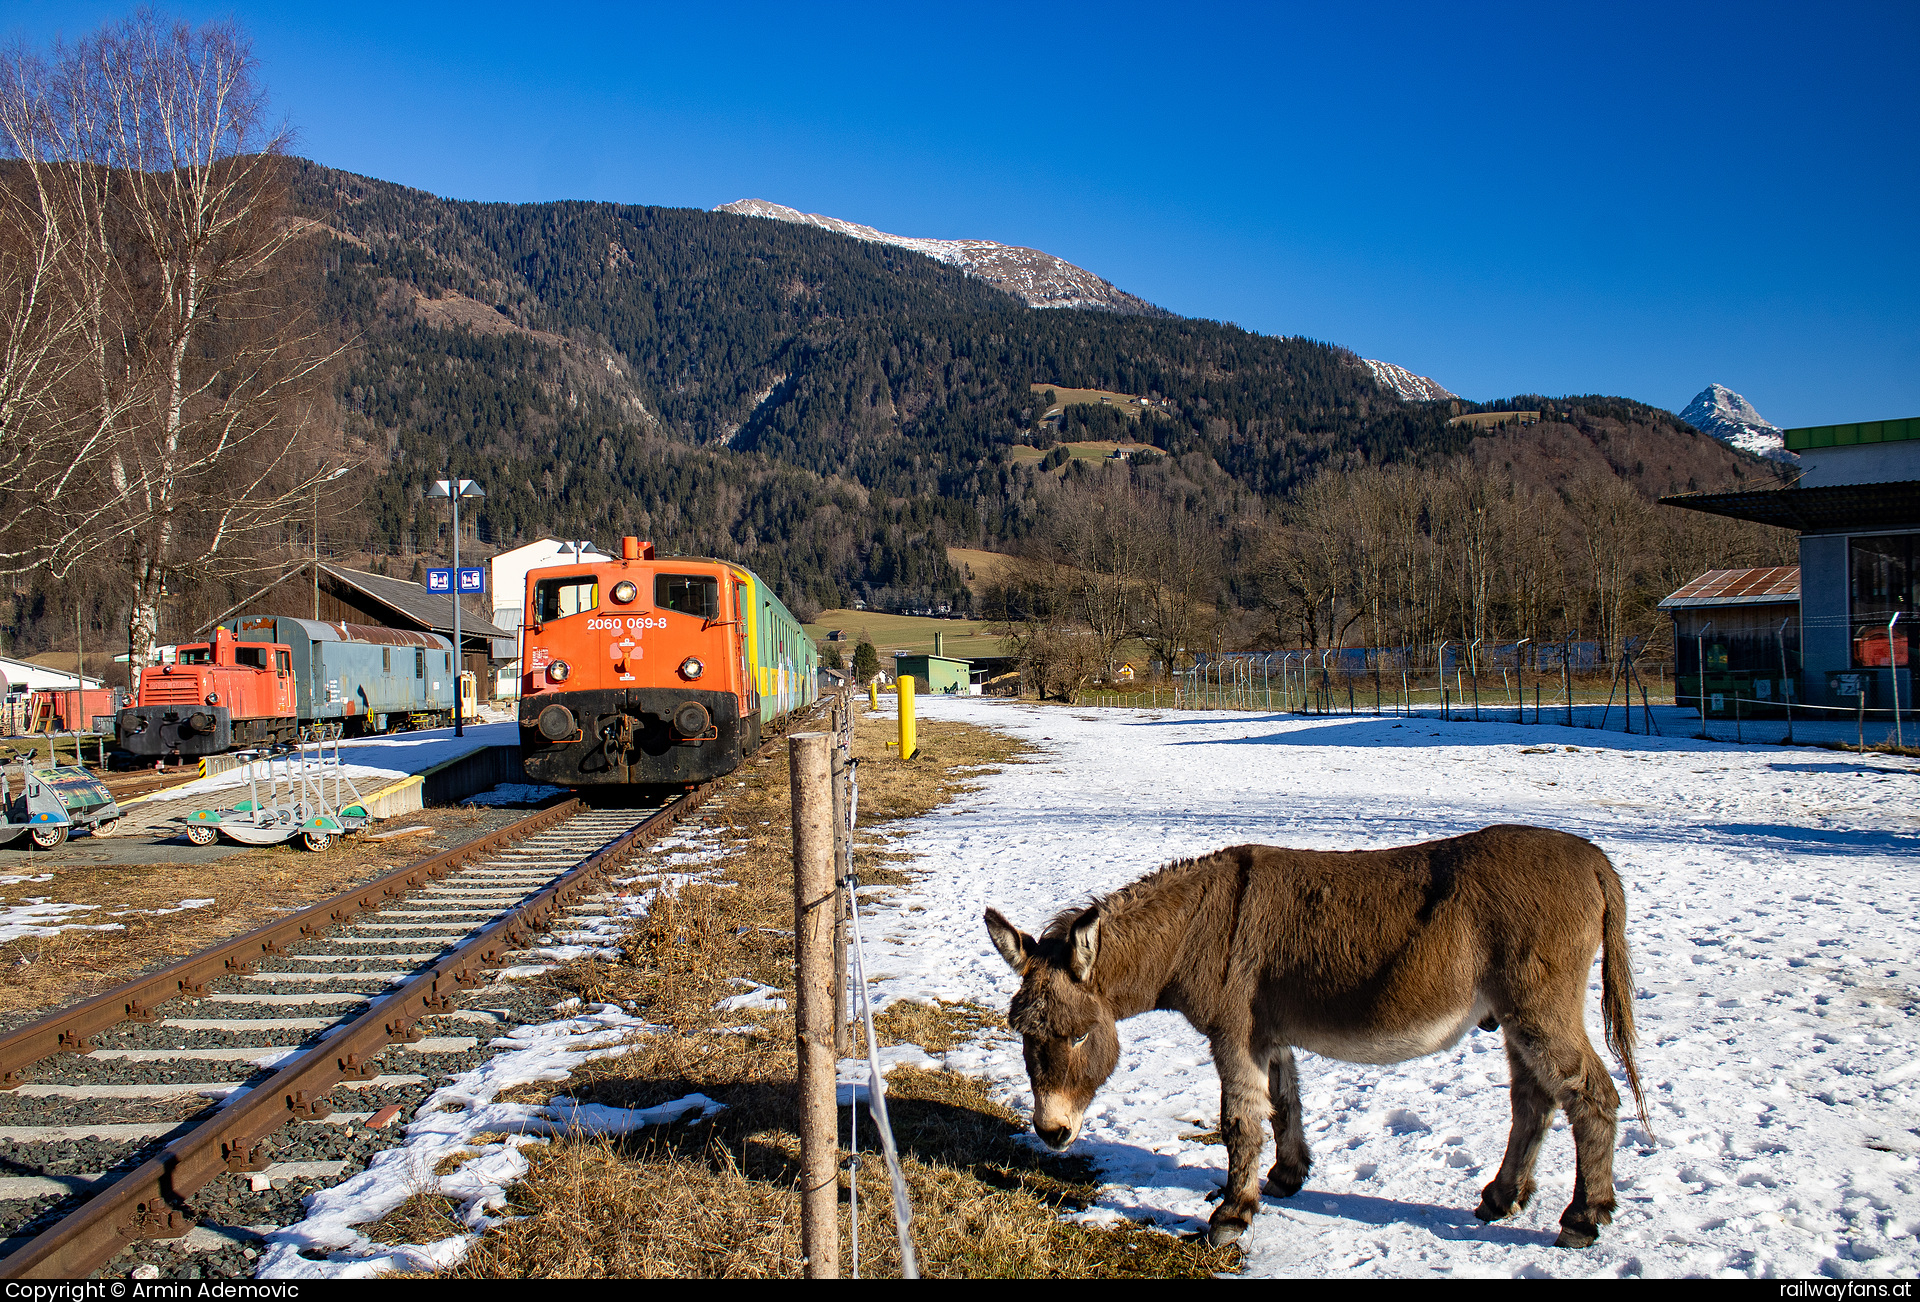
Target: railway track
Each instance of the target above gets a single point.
(228, 1085)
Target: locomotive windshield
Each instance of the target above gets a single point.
(558, 598)
(690, 594)
(196, 655)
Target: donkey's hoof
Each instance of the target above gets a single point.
(1493, 1209)
(1221, 1233)
(1283, 1184)
(1577, 1236)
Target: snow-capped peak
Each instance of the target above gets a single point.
(1404, 383)
(1037, 278)
(1719, 411)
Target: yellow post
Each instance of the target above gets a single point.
(909, 742)
(873, 695)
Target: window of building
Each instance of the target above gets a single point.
(690, 594)
(1882, 582)
(558, 598)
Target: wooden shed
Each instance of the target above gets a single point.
(1746, 624)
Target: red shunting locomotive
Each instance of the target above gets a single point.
(217, 695)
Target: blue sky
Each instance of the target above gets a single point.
(1631, 199)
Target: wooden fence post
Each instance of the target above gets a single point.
(842, 864)
(813, 899)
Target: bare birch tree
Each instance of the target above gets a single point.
(159, 183)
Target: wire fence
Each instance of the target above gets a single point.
(1623, 704)
(876, 1082)
(1310, 683)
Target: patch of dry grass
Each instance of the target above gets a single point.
(717, 1199)
(422, 1218)
(934, 1027)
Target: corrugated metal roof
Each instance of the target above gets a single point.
(1770, 585)
(434, 610)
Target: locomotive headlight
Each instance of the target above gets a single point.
(691, 668)
(213, 698)
(558, 671)
(624, 591)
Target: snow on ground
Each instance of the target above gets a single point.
(374, 762)
(447, 1125)
(40, 917)
(1774, 913)
(447, 1122)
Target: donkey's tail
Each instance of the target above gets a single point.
(1616, 984)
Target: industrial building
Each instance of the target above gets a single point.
(1856, 507)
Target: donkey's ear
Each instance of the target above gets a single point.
(1014, 945)
(1083, 944)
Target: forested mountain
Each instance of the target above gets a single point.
(831, 411)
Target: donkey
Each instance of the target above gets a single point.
(1372, 956)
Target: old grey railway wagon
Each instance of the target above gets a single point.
(360, 677)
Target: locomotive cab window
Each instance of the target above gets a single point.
(557, 598)
(254, 657)
(196, 655)
(283, 661)
(690, 594)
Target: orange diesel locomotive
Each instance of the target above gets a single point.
(650, 671)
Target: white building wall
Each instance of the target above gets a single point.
(1866, 463)
(24, 677)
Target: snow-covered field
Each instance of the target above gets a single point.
(1774, 912)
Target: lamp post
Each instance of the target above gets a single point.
(1700, 654)
(1520, 678)
(324, 479)
(454, 490)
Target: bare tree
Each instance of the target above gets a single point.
(1057, 654)
(1098, 556)
(1180, 587)
(1308, 564)
(1613, 529)
(158, 183)
(55, 268)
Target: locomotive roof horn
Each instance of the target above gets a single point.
(632, 549)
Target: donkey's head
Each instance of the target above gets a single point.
(1067, 1027)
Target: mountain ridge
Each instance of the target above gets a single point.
(832, 411)
(1414, 388)
(1035, 277)
(1043, 280)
